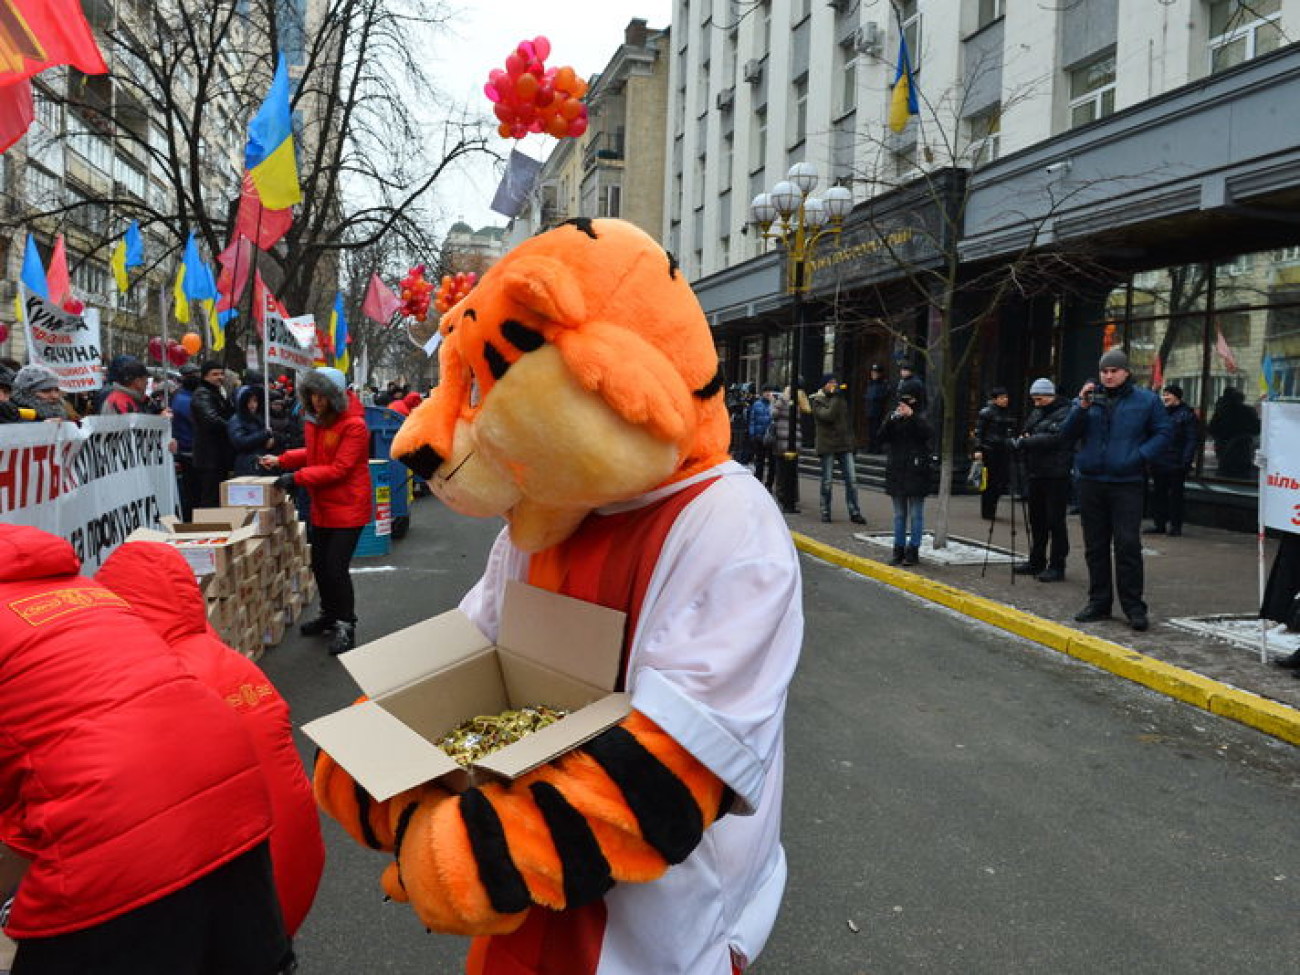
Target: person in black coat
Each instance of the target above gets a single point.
(214, 455)
(1234, 427)
(908, 439)
(249, 435)
(993, 429)
(876, 401)
(1048, 459)
(1169, 469)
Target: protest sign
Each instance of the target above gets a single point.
(1279, 472)
(283, 350)
(92, 484)
(67, 343)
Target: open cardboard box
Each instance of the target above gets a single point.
(261, 520)
(251, 491)
(425, 680)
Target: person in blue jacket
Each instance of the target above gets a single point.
(1169, 470)
(248, 432)
(1121, 429)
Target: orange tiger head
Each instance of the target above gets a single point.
(579, 372)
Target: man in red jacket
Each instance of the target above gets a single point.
(134, 791)
(160, 586)
(334, 467)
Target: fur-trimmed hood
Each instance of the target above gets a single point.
(319, 382)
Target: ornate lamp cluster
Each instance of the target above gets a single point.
(790, 214)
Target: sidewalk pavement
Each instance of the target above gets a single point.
(1205, 572)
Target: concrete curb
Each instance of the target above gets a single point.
(1246, 708)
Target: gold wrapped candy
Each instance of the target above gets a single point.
(482, 735)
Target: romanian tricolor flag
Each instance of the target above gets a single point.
(902, 103)
(339, 334)
(269, 156)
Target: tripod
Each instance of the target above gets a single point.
(1015, 479)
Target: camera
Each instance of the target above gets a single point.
(1098, 395)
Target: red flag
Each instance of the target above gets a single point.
(236, 265)
(16, 112)
(380, 304)
(56, 275)
(262, 226)
(1221, 347)
(264, 301)
(1158, 375)
(38, 34)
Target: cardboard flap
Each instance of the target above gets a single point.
(394, 661)
(378, 750)
(546, 743)
(569, 635)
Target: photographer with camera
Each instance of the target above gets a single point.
(1047, 459)
(1121, 429)
(908, 439)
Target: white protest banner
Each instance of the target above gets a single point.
(282, 347)
(67, 343)
(1279, 473)
(303, 328)
(92, 484)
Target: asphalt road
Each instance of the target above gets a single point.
(958, 800)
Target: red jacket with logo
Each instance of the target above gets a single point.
(334, 467)
(158, 583)
(122, 777)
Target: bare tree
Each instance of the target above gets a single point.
(187, 74)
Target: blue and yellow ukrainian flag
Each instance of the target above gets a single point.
(128, 253)
(902, 103)
(269, 156)
(339, 335)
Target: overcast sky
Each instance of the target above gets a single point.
(583, 33)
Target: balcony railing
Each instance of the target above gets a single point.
(603, 148)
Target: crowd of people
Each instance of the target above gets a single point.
(1114, 454)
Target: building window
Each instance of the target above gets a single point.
(1092, 91)
(758, 149)
(904, 162)
(848, 75)
(702, 92)
(1243, 29)
(991, 10)
(801, 11)
(910, 18)
(799, 117)
(698, 196)
(611, 201)
(728, 156)
(763, 36)
(985, 136)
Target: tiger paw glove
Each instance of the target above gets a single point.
(368, 821)
(623, 808)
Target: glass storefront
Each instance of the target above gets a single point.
(1228, 333)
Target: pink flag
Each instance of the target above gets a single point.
(56, 276)
(236, 265)
(264, 301)
(1221, 347)
(380, 304)
(262, 226)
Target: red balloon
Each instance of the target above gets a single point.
(578, 126)
(155, 349)
(515, 65)
(177, 355)
(541, 47)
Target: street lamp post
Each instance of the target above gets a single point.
(799, 221)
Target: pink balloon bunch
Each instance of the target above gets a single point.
(528, 96)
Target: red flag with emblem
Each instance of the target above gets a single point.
(38, 34)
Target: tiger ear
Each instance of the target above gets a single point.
(548, 288)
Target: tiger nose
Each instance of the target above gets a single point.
(425, 461)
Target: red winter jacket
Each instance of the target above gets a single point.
(122, 778)
(158, 583)
(334, 467)
(407, 403)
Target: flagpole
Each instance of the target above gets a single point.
(162, 316)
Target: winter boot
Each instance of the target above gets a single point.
(316, 627)
(898, 556)
(911, 556)
(344, 638)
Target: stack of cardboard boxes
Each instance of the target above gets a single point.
(251, 559)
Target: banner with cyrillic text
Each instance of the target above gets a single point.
(92, 484)
(67, 343)
(1279, 469)
(283, 348)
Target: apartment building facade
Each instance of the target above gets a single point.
(1145, 142)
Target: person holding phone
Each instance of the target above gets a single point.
(1121, 429)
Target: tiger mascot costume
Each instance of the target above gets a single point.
(581, 400)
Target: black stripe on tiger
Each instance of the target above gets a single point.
(502, 880)
(584, 224)
(522, 337)
(664, 807)
(496, 362)
(403, 821)
(364, 803)
(586, 871)
(672, 264)
(425, 461)
(713, 387)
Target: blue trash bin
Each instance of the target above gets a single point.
(377, 536)
(383, 425)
